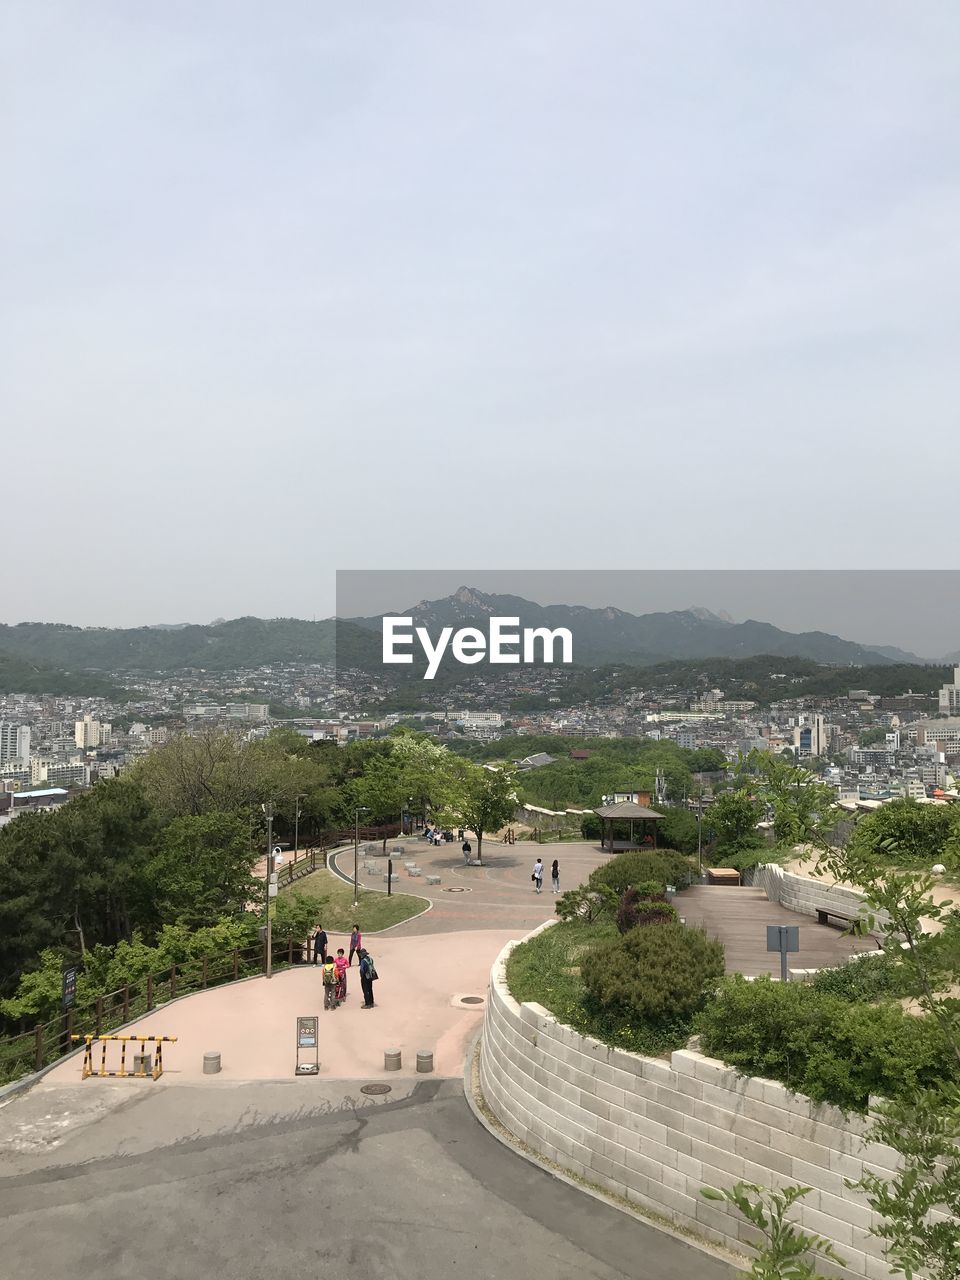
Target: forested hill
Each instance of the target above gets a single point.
(19, 676)
(242, 642)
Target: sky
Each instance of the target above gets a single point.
(297, 287)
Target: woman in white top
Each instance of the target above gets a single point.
(537, 876)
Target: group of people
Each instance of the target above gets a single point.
(537, 876)
(335, 968)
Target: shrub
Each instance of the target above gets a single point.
(630, 870)
(638, 908)
(653, 975)
(591, 828)
(874, 976)
(821, 1045)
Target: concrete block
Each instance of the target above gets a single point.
(824, 1224)
(608, 1093)
(717, 1163)
(414, 871)
(815, 1175)
(764, 1154)
(433, 879)
(854, 1212)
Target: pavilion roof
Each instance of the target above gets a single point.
(626, 809)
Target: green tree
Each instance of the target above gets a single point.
(732, 823)
(784, 1254)
(201, 868)
(483, 800)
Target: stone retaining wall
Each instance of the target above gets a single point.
(806, 895)
(655, 1132)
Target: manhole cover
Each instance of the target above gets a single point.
(376, 1088)
(456, 888)
(472, 1000)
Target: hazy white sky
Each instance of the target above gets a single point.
(295, 287)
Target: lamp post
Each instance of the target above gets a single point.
(268, 810)
(356, 852)
(699, 826)
(302, 795)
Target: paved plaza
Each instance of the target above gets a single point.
(258, 1173)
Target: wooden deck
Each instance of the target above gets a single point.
(738, 917)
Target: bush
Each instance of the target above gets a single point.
(654, 975)
(630, 870)
(678, 830)
(821, 1045)
(875, 976)
(638, 908)
(591, 828)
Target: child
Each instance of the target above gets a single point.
(341, 966)
(329, 984)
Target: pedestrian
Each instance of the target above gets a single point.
(329, 984)
(368, 976)
(555, 876)
(467, 853)
(320, 946)
(341, 966)
(537, 876)
(355, 941)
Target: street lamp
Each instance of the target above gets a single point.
(268, 810)
(356, 852)
(296, 822)
(700, 826)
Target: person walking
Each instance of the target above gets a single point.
(355, 941)
(467, 853)
(555, 876)
(537, 876)
(368, 975)
(341, 966)
(320, 946)
(329, 984)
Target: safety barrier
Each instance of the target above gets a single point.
(139, 1071)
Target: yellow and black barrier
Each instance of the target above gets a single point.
(140, 1071)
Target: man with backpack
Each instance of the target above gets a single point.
(329, 984)
(368, 976)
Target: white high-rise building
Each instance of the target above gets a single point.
(950, 696)
(14, 742)
(91, 733)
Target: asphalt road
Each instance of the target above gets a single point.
(296, 1181)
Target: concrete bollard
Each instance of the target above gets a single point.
(424, 1061)
(433, 879)
(391, 1060)
(211, 1064)
(143, 1062)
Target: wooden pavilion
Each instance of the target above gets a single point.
(636, 815)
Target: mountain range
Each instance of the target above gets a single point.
(601, 636)
(606, 635)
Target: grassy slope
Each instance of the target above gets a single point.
(376, 910)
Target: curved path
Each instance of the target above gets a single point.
(286, 1181)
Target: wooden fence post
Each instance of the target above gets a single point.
(203, 977)
(236, 963)
(290, 951)
(149, 992)
(126, 1003)
(99, 1015)
(173, 981)
(313, 859)
(38, 1047)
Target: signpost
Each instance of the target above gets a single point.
(784, 938)
(308, 1038)
(68, 998)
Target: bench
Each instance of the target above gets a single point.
(826, 914)
(723, 875)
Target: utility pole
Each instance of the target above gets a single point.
(296, 822)
(699, 825)
(268, 810)
(356, 854)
